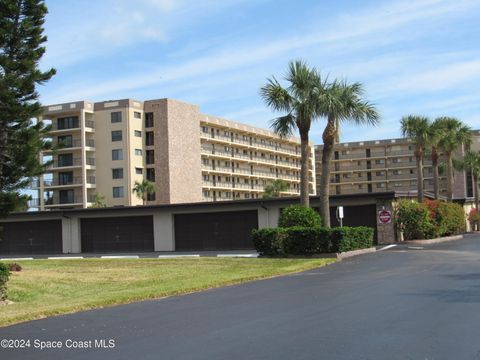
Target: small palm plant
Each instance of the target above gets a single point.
(143, 189)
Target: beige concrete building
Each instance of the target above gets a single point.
(191, 157)
(386, 165)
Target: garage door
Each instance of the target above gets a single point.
(361, 215)
(31, 237)
(215, 231)
(120, 234)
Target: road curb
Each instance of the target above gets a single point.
(348, 254)
(436, 240)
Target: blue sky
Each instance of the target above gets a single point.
(420, 57)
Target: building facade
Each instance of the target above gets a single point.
(387, 165)
(104, 148)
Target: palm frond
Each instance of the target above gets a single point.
(275, 96)
(284, 125)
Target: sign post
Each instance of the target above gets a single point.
(384, 217)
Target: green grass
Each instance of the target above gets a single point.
(52, 287)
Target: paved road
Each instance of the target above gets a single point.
(396, 304)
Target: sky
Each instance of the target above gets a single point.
(412, 57)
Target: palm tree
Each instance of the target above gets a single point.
(454, 135)
(471, 162)
(340, 102)
(301, 102)
(275, 188)
(434, 135)
(143, 189)
(417, 129)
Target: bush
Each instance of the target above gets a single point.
(414, 220)
(473, 215)
(268, 241)
(450, 219)
(300, 240)
(351, 238)
(297, 215)
(14, 267)
(4, 275)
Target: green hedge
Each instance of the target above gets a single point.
(297, 215)
(268, 241)
(351, 238)
(300, 240)
(430, 219)
(4, 275)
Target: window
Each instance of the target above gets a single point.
(118, 191)
(205, 161)
(67, 196)
(412, 171)
(65, 178)
(117, 173)
(137, 133)
(116, 117)
(150, 157)
(206, 177)
(67, 123)
(380, 185)
(138, 171)
(117, 135)
(138, 152)
(137, 115)
(396, 172)
(149, 138)
(396, 160)
(149, 119)
(65, 160)
(151, 174)
(379, 173)
(65, 141)
(117, 154)
(205, 129)
(378, 161)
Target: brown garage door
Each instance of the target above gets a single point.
(31, 237)
(215, 231)
(361, 215)
(120, 234)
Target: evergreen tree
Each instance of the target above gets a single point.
(21, 138)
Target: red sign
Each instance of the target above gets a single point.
(385, 217)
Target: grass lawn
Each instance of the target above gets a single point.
(52, 287)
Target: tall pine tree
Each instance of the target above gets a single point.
(21, 138)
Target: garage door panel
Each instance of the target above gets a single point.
(215, 231)
(32, 237)
(120, 234)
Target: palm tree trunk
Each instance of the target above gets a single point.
(328, 142)
(449, 177)
(436, 190)
(475, 193)
(304, 160)
(419, 158)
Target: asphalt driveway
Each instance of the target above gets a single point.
(401, 303)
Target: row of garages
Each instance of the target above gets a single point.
(179, 227)
(198, 231)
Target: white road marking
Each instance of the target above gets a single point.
(65, 257)
(16, 259)
(178, 256)
(416, 247)
(387, 247)
(120, 257)
(238, 255)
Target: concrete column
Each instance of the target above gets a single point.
(163, 232)
(385, 232)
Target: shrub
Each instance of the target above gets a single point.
(4, 275)
(300, 240)
(473, 215)
(14, 267)
(297, 215)
(351, 238)
(450, 219)
(414, 220)
(268, 241)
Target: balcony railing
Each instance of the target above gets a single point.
(66, 163)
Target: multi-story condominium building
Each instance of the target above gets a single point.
(105, 147)
(386, 165)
